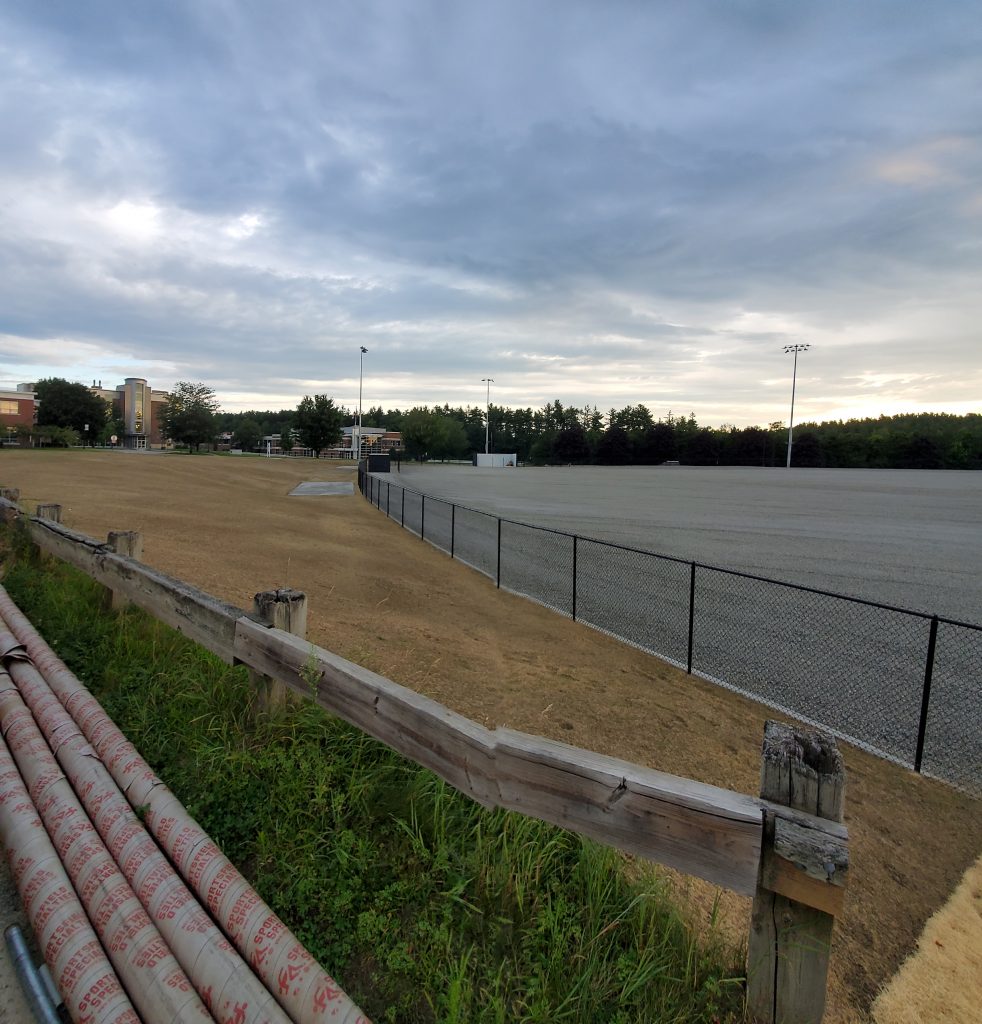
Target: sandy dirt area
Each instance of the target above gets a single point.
(948, 961)
(386, 600)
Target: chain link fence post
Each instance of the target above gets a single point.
(575, 538)
(932, 641)
(498, 578)
(692, 615)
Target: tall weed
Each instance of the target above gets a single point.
(426, 906)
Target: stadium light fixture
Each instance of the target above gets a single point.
(487, 423)
(794, 375)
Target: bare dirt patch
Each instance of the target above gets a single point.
(386, 600)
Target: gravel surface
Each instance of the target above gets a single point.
(909, 539)
(905, 537)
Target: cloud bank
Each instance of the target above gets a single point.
(600, 203)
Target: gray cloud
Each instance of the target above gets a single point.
(601, 203)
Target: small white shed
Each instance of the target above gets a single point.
(495, 460)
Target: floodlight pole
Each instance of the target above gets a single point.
(487, 423)
(794, 376)
(361, 374)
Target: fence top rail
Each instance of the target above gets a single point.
(917, 613)
(815, 590)
(958, 622)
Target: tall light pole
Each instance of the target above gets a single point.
(361, 374)
(487, 423)
(794, 375)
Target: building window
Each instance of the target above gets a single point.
(9, 407)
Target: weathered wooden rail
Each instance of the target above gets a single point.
(787, 848)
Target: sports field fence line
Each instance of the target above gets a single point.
(903, 684)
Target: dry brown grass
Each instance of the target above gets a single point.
(384, 599)
(941, 983)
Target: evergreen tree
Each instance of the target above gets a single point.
(614, 447)
(571, 445)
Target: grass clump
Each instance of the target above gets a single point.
(425, 906)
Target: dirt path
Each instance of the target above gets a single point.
(384, 599)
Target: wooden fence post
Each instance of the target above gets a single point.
(130, 544)
(788, 952)
(11, 494)
(51, 512)
(284, 609)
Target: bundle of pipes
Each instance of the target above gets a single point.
(172, 960)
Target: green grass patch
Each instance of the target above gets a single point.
(425, 906)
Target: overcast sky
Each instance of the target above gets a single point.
(601, 202)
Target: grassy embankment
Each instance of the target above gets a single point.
(424, 905)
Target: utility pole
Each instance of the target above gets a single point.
(487, 423)
(794, 375)
(361, 374)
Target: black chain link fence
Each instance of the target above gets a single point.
(903, 684)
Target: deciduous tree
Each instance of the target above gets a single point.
(248, 434)
(189, 414)
(318, 423)
(64, 404)
(421, 432)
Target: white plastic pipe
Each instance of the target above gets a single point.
(86, 980)
(301, 986)
(222, 979)
(159, 989)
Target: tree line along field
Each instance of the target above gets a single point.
(632, 436)
(69, 414)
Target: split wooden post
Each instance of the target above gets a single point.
(130, 544)
(284, 609)
(788, 953)
(11, 494)
(51, 512)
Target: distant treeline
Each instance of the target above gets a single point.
(632, 436)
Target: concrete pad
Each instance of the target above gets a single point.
(316, 488)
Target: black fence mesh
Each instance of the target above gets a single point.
(476, 540)
(634, 595)
(439, 516)
(388, 498)
(953, 737)
(857, 668)
(538, 564)
(414, 512)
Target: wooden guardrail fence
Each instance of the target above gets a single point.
(787, 848)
